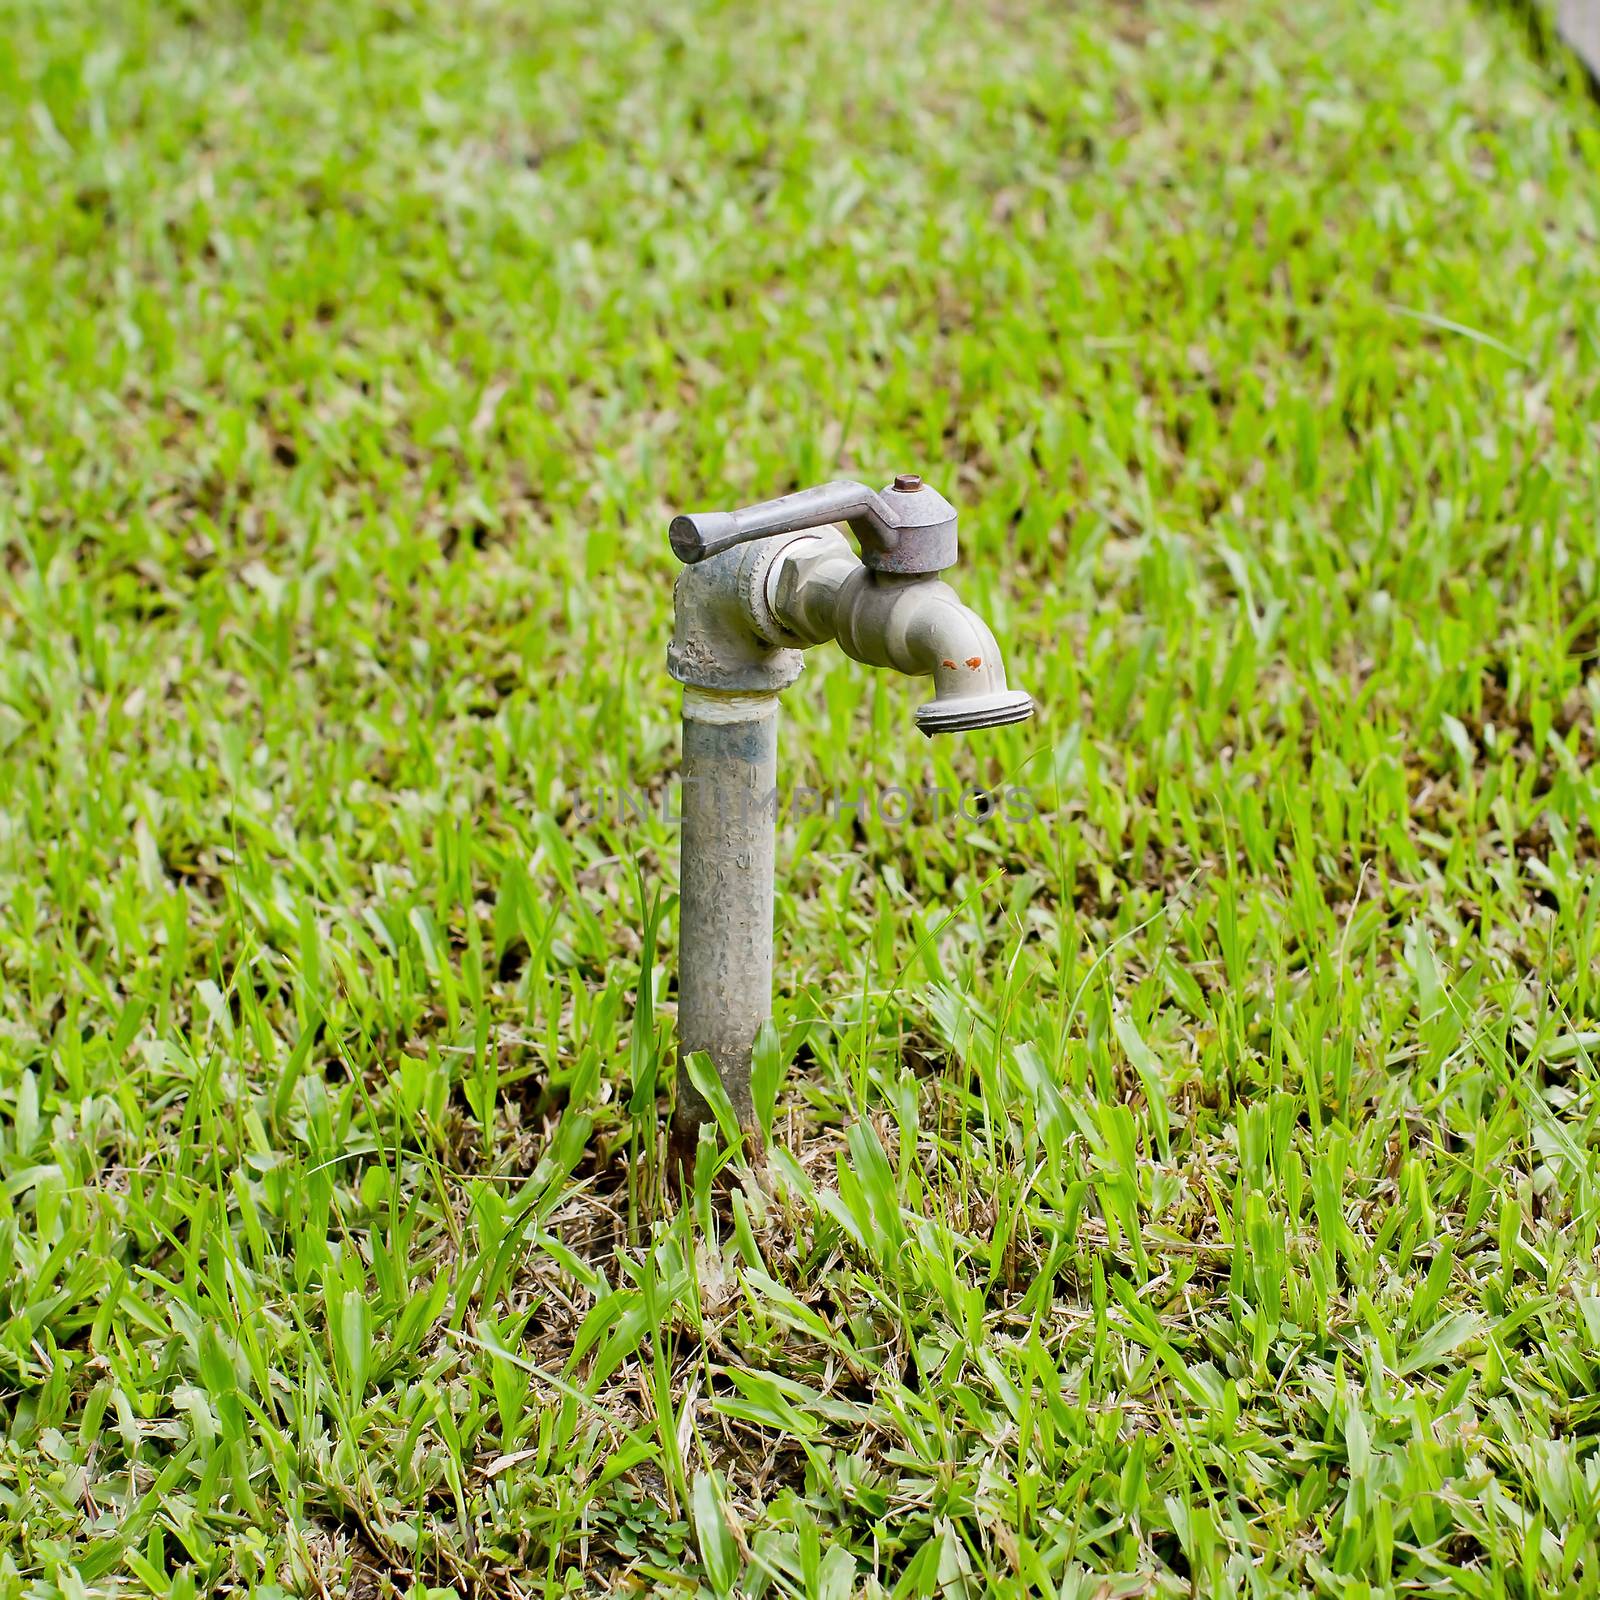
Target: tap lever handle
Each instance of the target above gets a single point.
(905, 527)
(699, 534)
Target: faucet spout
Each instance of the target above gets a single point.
(924, 629)
(911, 623)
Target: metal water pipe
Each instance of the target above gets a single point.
(759, 586)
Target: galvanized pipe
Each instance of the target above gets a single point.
(729, 810)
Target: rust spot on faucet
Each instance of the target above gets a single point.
(974, 662)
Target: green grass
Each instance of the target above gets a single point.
(1193, 1190)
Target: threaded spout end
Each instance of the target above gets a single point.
(966, 712)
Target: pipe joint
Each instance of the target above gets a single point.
(725, 637)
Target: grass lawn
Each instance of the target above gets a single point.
(1192, 1189)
